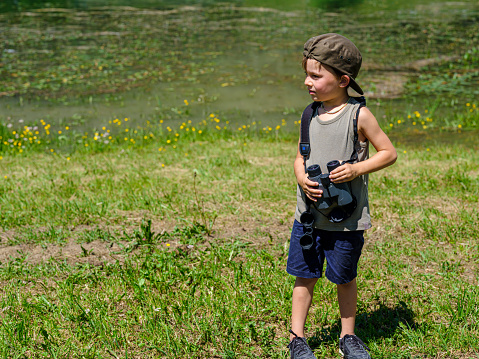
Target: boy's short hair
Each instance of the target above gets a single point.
(337, 52)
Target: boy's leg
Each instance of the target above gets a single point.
(302, 298)
(350, 346)
(347, 300)
(342, 252)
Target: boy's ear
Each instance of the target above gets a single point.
(344, 81)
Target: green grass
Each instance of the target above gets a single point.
(195, 264)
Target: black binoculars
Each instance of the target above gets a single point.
(332, 192)
(306, 241)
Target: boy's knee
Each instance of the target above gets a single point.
(305, 282)
(347, 285)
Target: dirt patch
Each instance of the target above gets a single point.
(389, 82)
(95, 253)
(257, 233)
(434, 61)
(271, 233)
(4, 235)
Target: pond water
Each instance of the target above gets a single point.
(25, 5)
(86, 62)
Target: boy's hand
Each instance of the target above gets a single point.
(310, 188)
(343, 173)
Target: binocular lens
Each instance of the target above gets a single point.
(332, 165)
(307, 219)
(306, 240)
(314, 170)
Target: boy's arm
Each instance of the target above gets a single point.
(386, 153)
(303, 180)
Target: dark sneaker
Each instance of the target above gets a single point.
(299, 349)
(351, 347)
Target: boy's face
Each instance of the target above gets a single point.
(323, 84)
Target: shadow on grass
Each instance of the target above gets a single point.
(370, 326)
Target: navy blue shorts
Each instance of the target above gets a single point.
(340, 249)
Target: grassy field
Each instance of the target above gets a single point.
(132, 252)
(157, 226)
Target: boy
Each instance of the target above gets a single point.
(331, 63)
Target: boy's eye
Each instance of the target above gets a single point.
(313, 76)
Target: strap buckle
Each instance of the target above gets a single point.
(304, 149)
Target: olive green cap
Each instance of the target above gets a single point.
(336, 51)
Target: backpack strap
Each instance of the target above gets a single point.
(304, 144)
(354, 155)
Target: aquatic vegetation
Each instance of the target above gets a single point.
(458, 77)
(222, 46)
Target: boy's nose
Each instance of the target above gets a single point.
(307, 81)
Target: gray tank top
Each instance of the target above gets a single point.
(333, 140)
